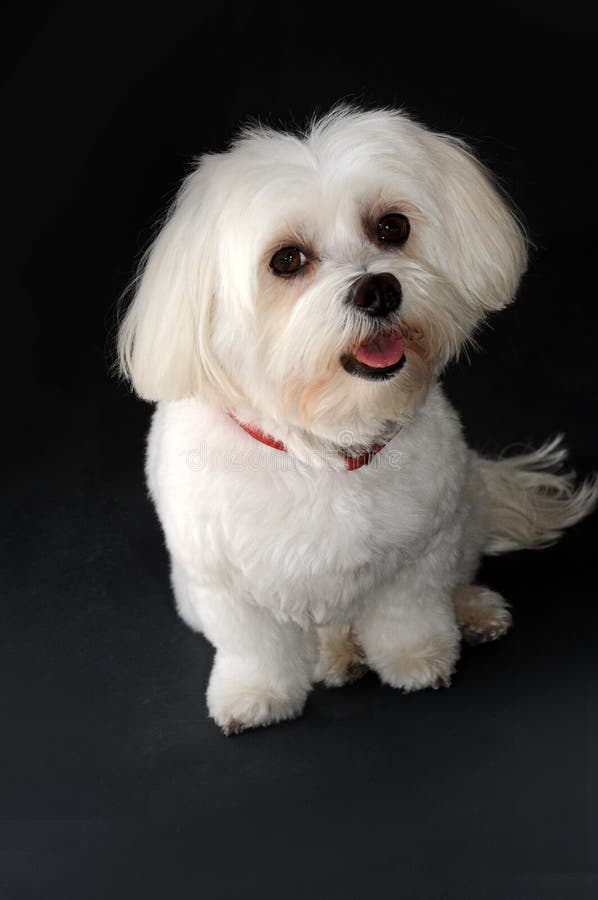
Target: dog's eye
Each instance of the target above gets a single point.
(393, 229)
(287, 261)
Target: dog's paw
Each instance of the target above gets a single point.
(428, 663)
(238, 700)
(482, 614)
(341, 660)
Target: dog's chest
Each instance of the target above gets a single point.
(304, 543)
(312, 548)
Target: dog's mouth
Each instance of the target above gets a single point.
(378, 358)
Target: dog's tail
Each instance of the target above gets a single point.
(530, 500)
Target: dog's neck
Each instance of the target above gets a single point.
(330, 455)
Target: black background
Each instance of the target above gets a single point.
(115, 782)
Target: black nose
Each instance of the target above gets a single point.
(377, 295)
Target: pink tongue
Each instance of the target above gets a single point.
(384, 350)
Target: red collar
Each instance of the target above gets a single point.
(351, 462)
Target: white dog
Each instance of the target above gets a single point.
(321, 508)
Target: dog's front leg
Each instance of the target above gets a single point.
(263, 669)
(407, 629)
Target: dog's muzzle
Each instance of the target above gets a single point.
(382, 355)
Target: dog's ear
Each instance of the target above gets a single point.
(485, 250)
(163, 341)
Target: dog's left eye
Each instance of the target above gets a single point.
(287, 261)
(393, 229)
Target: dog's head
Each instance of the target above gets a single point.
(322, 281)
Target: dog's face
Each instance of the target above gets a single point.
(322, 281)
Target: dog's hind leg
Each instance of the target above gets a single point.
(341, 658)
(482, 614)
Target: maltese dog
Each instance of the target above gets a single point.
(292, 318)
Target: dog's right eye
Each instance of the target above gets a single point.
(287, 261)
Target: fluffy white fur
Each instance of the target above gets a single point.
(266, 546)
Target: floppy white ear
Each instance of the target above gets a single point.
(163, 339)
(486, 246)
